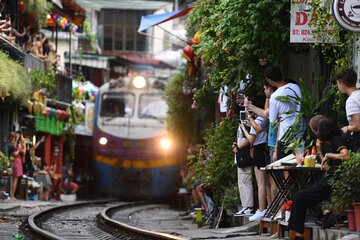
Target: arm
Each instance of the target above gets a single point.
(249, 137)
(355, 126)
(39, 142)
(343, 155)
(258, 129)
(258, 111)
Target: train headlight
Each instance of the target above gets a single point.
(139, 81)
(165, 143)
(103, 140)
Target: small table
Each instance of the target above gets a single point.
(298, 178)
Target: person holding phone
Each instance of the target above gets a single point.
(17, 149)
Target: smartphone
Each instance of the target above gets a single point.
(242, 115)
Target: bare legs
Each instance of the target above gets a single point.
(14, 185)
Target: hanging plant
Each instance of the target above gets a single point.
(39, 9)
(14, 80)
(43, 79)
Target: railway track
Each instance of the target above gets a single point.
(93, 221)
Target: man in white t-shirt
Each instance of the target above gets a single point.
(346, 81)
(284, 112)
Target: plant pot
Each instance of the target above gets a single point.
(351, 219)
(357, 215)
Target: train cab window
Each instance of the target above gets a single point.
(117, 105)
(152, 106)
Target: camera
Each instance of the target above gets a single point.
(242, 115)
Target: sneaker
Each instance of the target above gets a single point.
(257, 216)
(239, 213)
(245, 211)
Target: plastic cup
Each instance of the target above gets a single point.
(299, 153)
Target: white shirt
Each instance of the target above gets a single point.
(282, 111)
(261, 137)
(352, 105)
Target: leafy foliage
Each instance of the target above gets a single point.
(215, 162)
(181, 119)
(232, 45)
(40, 9)
(309, 108)
(14, 80)
(43, 79)
(345, 184)
(4, 161)
(90, 34)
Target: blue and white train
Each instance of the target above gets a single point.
(133, 155)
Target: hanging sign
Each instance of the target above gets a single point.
(300, 31)
(347, 14)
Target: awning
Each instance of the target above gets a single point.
(99, 5)
(57, 3)
(155, 19)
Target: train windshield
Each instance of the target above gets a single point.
(152, 106)
(117, 105)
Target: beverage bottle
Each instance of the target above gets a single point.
(313, 150)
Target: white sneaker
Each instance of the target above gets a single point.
(257, 216)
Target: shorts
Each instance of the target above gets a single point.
(260, 152)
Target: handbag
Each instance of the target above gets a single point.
(243, 158)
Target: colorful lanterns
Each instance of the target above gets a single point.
(188, 52)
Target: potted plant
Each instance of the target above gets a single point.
(345, 186)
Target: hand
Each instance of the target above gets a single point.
(246, 101)
(42, 139)
(275, 155)
(325, 162)
(234, 147)
(345, 129)
(242, 124)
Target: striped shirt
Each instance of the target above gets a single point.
(352, 105)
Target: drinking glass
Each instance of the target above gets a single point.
(299, 153)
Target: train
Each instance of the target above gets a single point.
(134, 156)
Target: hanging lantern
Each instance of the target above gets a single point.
(188, 52)
(58, 114)
(192, 42)
(22, 7)
(74, 29)
(47, 112)
(197, 37)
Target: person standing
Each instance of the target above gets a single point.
(241, 148)
(346, 82)
(282, 112)
(258, 138)
(17, 149)
(272, 133)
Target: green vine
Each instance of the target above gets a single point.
(231, 46)
(43, 79)
(39, 8)
(90, 34)
(334, 42)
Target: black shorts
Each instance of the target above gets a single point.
(260, 155)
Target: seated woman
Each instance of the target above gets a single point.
(69, 185)
(332, 150)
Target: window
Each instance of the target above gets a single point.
(119, 39)
(108, 38)
(117, 105)
(152, 106)
(120, 30)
